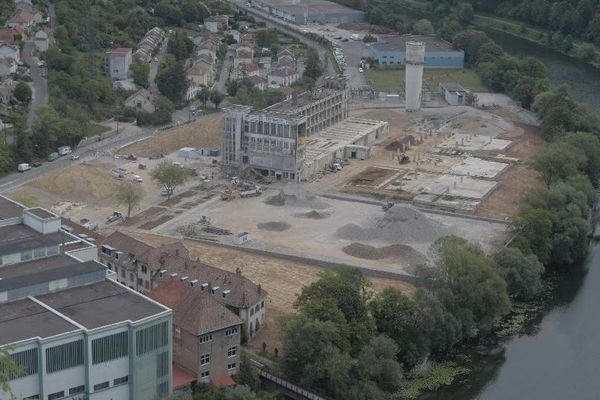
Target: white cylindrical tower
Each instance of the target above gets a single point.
(413, 80)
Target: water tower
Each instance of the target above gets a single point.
(413, 85)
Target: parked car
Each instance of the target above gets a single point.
(23, 167)
(114, 217)
(36, 164)
(74, 157)
(53, 156)
(138, 179)
(361, 70)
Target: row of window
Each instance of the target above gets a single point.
(106, 384)
(257, 308)
(61, 394)
(110, 347)
(231, 331)
(40, 252)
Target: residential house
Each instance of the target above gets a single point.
(118, 62)
(197, 76)
(11, 35)
(250, 69)
(8, 66)
(247, 39)
(8, 51)
(206, 334)
(149, 42)
(235, 34)
(141, 266)
(7, 87)
(216, 23)
(25, 20)
(142, 100)
(258, 82)
(208, 47)
(41, 39)
(264, 63)
(283, 76)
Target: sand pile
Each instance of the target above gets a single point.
(314, 214)
(295, 196)
(402, 223)
(276, 226)
(402, 251)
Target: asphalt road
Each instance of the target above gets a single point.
(224, 73)
(155, 64)
(39, 85)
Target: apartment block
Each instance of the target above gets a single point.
(118, 62)
(206, 334)
(141, 267)
(73, 332)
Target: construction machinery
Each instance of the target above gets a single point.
(403, 159)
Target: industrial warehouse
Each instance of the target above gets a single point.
(309, 11)
(391, 50)
(299, 137)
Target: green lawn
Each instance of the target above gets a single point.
(392, 80)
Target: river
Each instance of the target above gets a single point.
(559, 356)
(582, 80)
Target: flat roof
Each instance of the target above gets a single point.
(398, 43)
(24, 319)
(48, 269)
(15, 238)
(101, 304)
(9, 208)
(42, 213)
(303, 99)
(339, 135)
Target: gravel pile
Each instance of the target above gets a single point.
(314, 214)
(295, 196)
(402, 223)
(406, 253)
(274, 226)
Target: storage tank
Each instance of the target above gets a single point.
(413, 85)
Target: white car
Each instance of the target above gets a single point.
(138, 179)
(361, 70)
(74, 157)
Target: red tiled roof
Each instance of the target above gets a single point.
(223, 380)
(121, 51)
(182, 377)
(256, 80)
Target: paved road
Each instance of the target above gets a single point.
(224, 73)
(155, 64)
(39, 85)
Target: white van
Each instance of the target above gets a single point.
(64, 150)
(23, 167)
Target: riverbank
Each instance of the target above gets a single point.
(580, 51)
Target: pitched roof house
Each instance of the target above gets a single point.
(142, 100)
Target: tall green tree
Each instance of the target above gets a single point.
(522, 273)
(23, 93)
(172, 83)
(141, 73)
(168, 176)
(128, 195)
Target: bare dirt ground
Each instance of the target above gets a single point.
(205, 132)
(282, 279)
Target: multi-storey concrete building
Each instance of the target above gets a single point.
(73, 332)
(141, 267)
(294, 139)
(118, 62)
(206, 334)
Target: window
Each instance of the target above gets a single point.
(27, 361)
(57, 395)
(39, 252)
(139, 281)
(205, 338)
(147, 285)
(162, 364)
(34, 397)
(231, 366)
(120, 381)
(131, 277)
(77, 389)
(65, 356)
(232, 351)
(151, 338)
(204, 374)
(110, 347)
(251, 311)
(256, 308)
(26, 255)
(110, 266)
(100, 386)
(262, 304)
(52, 250)
(231, 331)
(144, 269)
(177, 332)
(204, 359)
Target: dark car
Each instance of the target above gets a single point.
(36, 164)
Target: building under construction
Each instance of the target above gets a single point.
(297, 138)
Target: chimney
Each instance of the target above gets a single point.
(162, 272)
(215, 289)
(259, 289)
(225, 293)
(204, 286)
(174, 275)
(193, 282)
(184, 278)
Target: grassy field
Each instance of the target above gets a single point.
(96, 129)
(392, 80)
(333, 62)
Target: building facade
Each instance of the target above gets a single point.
(206, 334)
(141, 267)
(73, 332)
(118, 62)
(391, 50)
